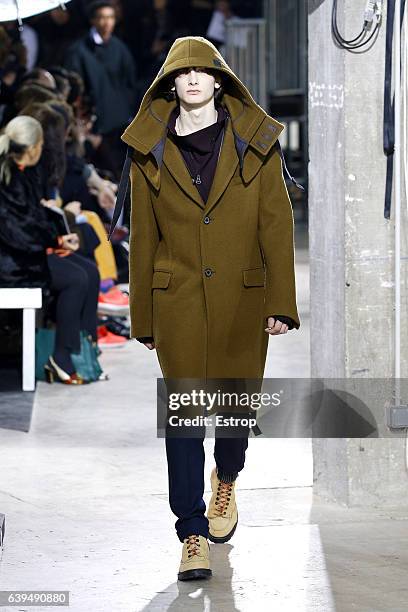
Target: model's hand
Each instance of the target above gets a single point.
(106, 194)
(149, 345)
(94, 139)
(276, 327)
(70, 242)
(74, 207)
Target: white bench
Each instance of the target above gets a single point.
(28, 300)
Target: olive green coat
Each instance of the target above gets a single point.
(204, 277)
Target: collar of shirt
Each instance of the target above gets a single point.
(96, 37)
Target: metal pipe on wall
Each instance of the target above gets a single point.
(397, 197)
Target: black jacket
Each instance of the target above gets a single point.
(25, 230)
(108, 71)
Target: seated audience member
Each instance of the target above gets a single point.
(32, 254)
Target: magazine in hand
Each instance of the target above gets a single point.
(59, 219)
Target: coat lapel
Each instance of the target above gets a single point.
(174, 162)
(225, 169)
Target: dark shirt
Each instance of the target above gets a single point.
(200, 151)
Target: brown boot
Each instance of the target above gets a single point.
(222, 510)
(195, 559)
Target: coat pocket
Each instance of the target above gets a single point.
(161, 279)
(254, 277)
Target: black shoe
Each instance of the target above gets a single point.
(115, 327)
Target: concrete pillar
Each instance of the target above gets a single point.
(2, 531)
(352, 250)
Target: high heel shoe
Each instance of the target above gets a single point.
(54, 372)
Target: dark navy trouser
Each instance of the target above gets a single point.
(185, 461)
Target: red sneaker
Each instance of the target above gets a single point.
(108, 340)
(113, 302)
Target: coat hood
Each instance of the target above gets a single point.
(252, 126)
(253, 131)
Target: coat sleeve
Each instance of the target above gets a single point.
(276, 237)
(72, 60)
(143, 242)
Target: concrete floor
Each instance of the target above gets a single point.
(85, 498)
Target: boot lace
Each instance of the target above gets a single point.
(193, 545)
(223, 497)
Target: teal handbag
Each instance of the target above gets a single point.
(85, 362)
(44, 347)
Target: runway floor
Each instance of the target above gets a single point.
(85, 498)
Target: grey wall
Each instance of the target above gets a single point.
(351, 250)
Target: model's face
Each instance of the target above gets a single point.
(33, 153)
(104, 21)
(194, 86)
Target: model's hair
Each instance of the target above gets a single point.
(55, 119)
(60, 75)
(167, 92)
(32, 92)
(77, 86)
(94, 7)
(58, 70)
(34, 76)
(15, 138)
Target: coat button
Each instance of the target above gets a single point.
(206, 220)
(208, 272)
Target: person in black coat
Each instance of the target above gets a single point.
(29, 238)
(108, 70)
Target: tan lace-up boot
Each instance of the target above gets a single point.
(195, 559)
(222, 510)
